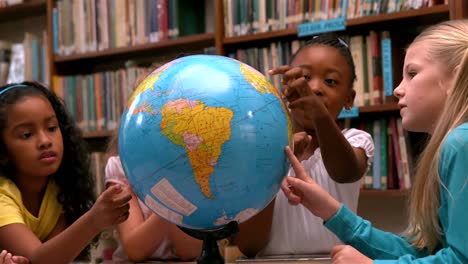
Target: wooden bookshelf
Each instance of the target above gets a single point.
(375, 194)
(97, 134)
(434, 13)
(437, 13)
(27, 9)
(194, 41)
(379, 108)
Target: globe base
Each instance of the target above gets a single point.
(210, 251)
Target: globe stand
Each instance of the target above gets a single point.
(210, 251)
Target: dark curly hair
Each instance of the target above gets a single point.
(334, 41)
(73, 178)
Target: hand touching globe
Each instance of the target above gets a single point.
(202, 141)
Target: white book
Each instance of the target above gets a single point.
(16, 71)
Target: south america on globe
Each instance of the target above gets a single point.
(202, 141)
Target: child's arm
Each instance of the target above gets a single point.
(348, 227)
(254, 233)
(335, 148)
(185, 246)
(110, 208)
(344, 163)
(140, 237)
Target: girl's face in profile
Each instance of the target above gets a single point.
(423, 89)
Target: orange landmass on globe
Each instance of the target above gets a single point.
(202, 131)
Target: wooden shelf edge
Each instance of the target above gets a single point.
(379, 108)
(26, 9)
(199, 39)
(260, 36)
(437, 9)
(384, 193)
(97, 134)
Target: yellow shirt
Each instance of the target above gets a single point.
(13, 210)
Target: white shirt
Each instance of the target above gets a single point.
(295, 230)
(115, 174)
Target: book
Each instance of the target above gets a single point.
(5, 58)
(16, 72)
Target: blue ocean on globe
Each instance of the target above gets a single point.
(202, 141)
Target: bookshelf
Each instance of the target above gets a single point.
(24, 10)
(430, 14)
(196, 41)
(376, 194)
(97, 134)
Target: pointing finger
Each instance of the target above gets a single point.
(279, 70)
(296, 165)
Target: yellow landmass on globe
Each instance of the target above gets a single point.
(147, 83)
(202, 131)
(257, 80)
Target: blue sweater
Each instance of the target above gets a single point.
(453, 215)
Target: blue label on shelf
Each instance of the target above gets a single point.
(317, 27)
(353, 112)
(387, 66)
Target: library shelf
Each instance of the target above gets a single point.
(27, 9)
(199, 40)
(375, 194)
(261, 36)
(393, 107)
(437, 12)
(97, 134)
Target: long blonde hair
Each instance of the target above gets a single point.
(447, 43)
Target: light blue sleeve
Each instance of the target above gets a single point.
(372, 242)
(453, 212)
(453, 215)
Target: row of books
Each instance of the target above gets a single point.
(359, 8)
(81, 26)
(374, 63)
(243, 17)
(269, 56)
(96, 101)
(372, 55)
(24, 61)
(392, 163)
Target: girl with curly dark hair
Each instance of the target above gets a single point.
(46, 188)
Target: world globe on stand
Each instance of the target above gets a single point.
(202, 141)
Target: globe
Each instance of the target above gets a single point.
(202, 141)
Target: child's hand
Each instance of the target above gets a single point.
(302, 189)
(8, 258)
(301, 142)
(347, 254)
(304, 101)
(111, 207)
(291, 77)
